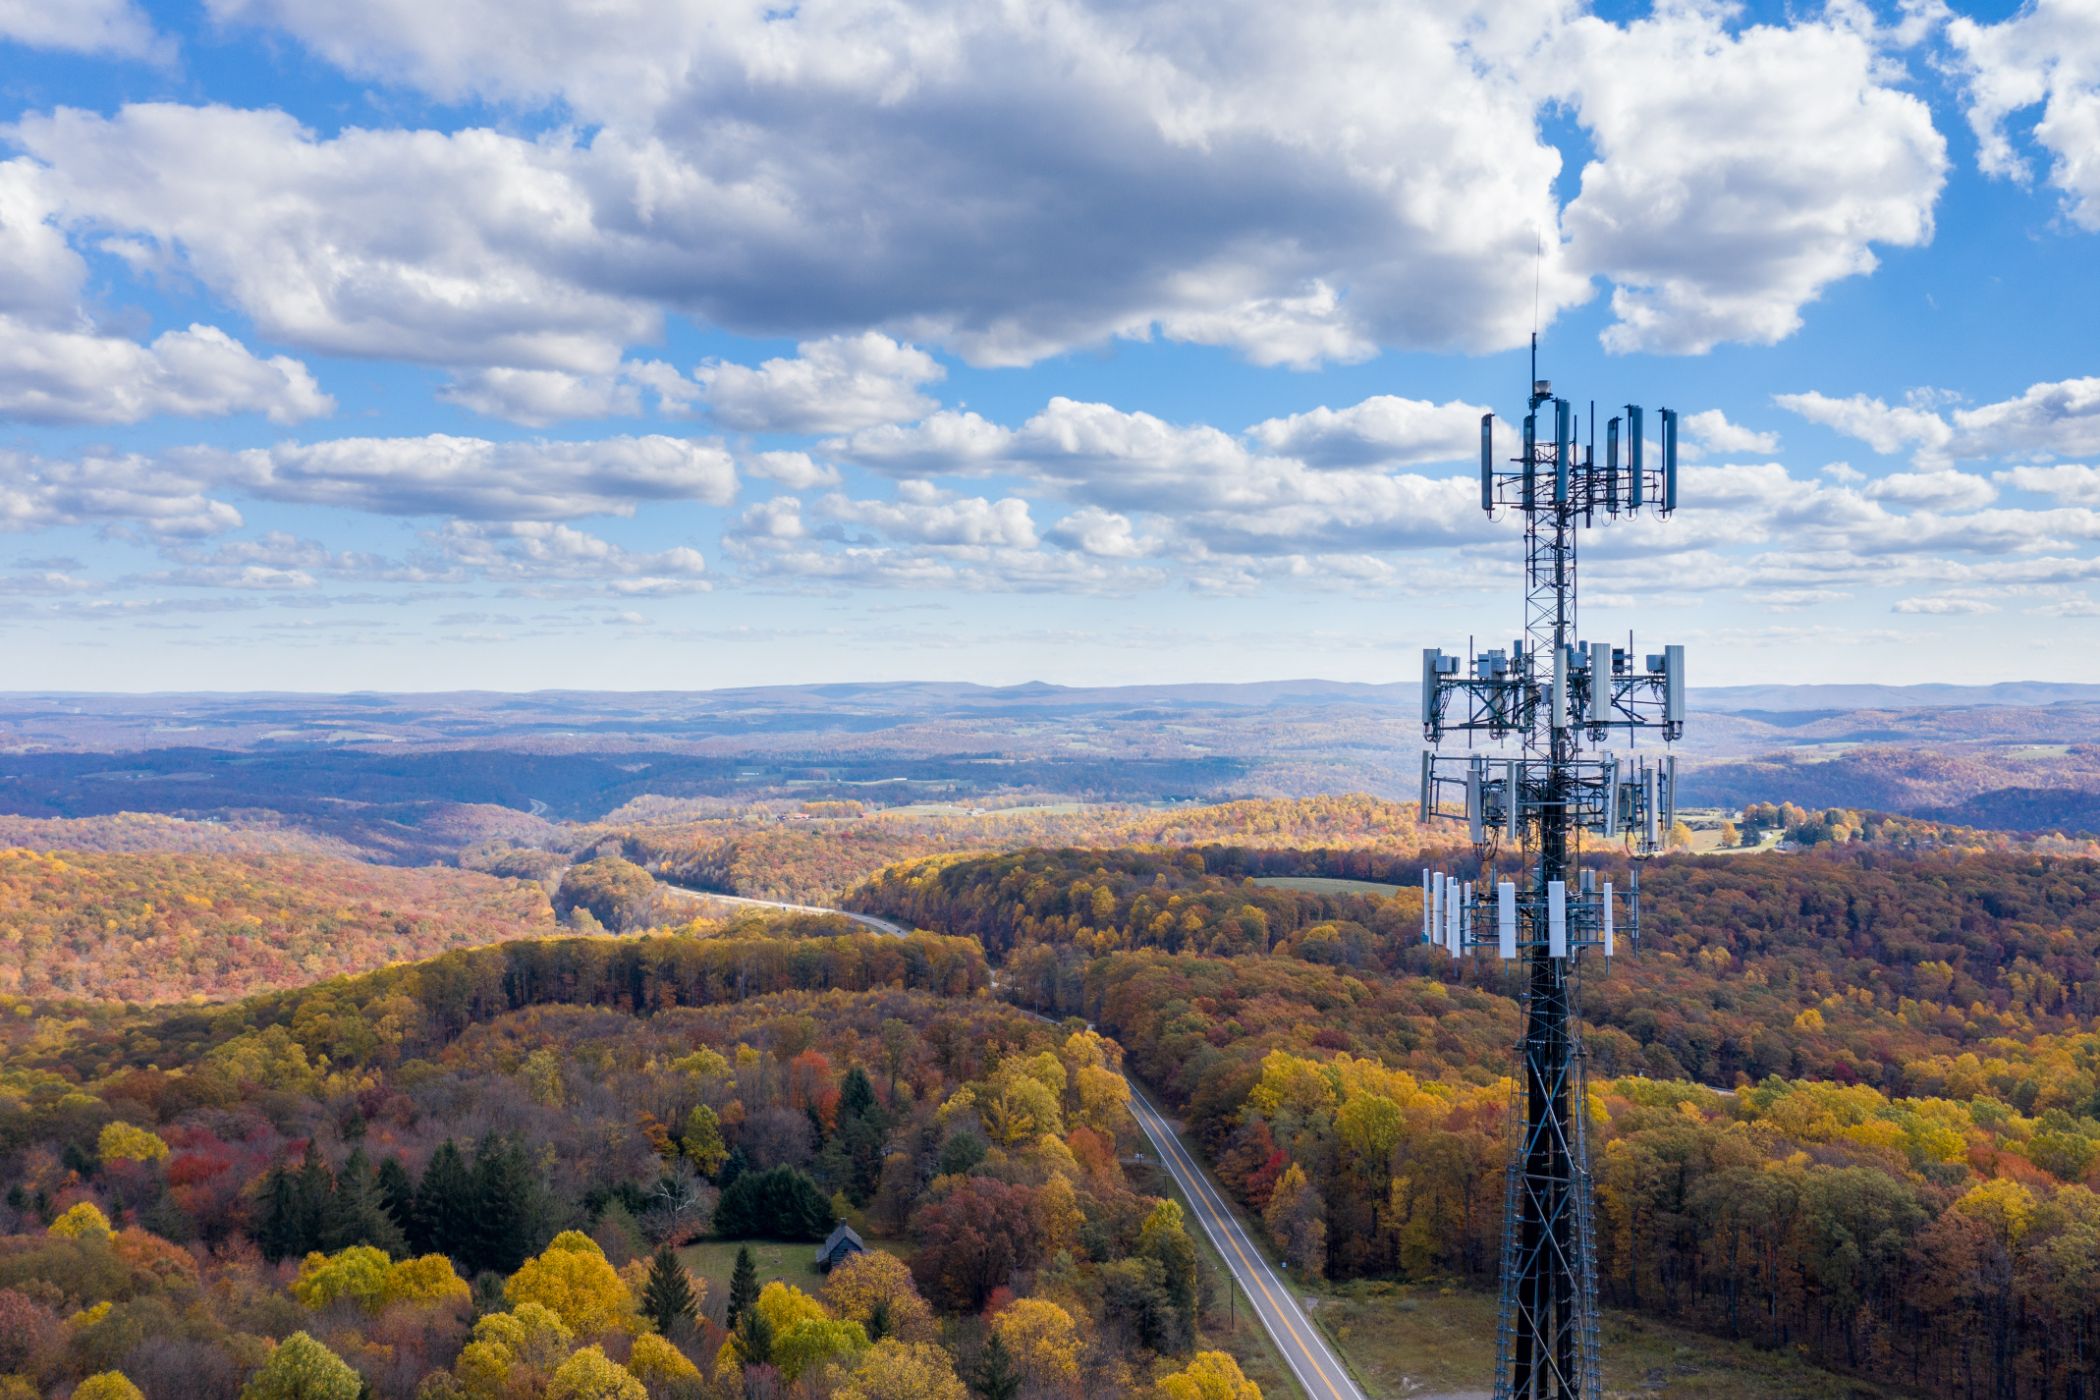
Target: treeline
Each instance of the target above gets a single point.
(807, 853)
(398, 1013)
(2000, 786)
(1840, 825)
(1847, 963)
(1148, 897)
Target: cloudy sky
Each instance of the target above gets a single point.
(520, 343)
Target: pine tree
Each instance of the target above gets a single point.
(397, 1197)
(995, 1378)
(863, 1133)
(445, 1206)
(356, 1214)
(754, 1338)
(313, 1196)
(743, 1285)
(277, 1231)
(856, 1096)
(504, 1228)
(667, 1296)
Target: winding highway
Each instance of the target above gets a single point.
(1304, 1349)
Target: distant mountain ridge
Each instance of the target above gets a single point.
(974, 695)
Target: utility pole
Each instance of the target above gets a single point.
(1533, 796)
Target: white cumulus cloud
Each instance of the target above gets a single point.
(1381, 429)
(830, 386)
(924, 514)
(478, 479)
(129, 491)
(116, 27)
(1739, 172)
(1714, 433)
(59, 376)
(2047, 56)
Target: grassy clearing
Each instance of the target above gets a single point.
(1321, 884)
(1411, 1341)
(796, 1263)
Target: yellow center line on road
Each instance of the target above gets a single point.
(1254, 1274)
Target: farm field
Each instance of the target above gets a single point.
(1319, 884)
(1436, 1344)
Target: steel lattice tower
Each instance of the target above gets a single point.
(1535, 795)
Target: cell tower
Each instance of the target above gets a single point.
(1547, 707)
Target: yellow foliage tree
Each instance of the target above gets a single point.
(81, 1222)
(1044, 1344)
(1369, 1126)
(124, 1142)
(572, 1280)
(656, 1362)
(529, 1335)
(358, 1274)
(427, 1278)
(702, 1140)
(1057, 1215)
(875, 1282)
(592, 1375)
(898, 1370)
(300, 1368)
(108, 1385)
(2006, 1206)
(1018, 1106)
(1211, 1376)
(804, 1334)
(1104, 1098)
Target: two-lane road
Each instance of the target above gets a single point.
(1319, 1371)
(866, 920)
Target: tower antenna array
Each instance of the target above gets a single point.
(1549, 705)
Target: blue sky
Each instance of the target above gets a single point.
(483, 344)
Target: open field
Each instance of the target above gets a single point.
(1320, 884)
(1407, 1341)
(795, 1263)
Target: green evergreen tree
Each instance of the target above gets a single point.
(754, 1338)
(313, 1197)
(779, 1203)
(397, 1197)
(743, 1285)
(277, 1228)
(667, 1295)
(505, 1228)
(863, 1134)
(856, 1096)
(445, 1206)
(996, 1378)
(357, 1214)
